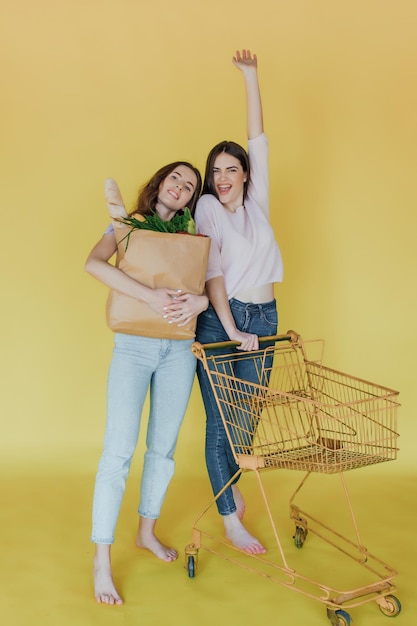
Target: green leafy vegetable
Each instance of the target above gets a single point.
(179, 224)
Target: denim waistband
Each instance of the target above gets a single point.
(252, 306)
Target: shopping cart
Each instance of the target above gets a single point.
(301, 415)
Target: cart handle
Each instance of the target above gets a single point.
(290, 335)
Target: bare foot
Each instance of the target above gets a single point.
(145, 538)
(104, 589)
(237, 534)
(239, 501)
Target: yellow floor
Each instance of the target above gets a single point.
(46, 554)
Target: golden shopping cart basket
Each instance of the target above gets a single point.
(301, 415)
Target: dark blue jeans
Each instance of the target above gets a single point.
(261, 320)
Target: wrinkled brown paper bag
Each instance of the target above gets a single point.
(155, 259)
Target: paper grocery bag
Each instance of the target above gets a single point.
(155, 259)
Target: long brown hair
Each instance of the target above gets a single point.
(148, 194)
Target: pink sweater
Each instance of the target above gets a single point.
(243, 248)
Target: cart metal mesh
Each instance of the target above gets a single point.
(300, 414)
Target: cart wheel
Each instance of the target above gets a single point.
(339, 617)
(300, 536)
(343, 618)
(191, 567)
(392, 606)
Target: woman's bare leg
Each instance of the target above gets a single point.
(239, 501)
(145, 538)
(104, 589)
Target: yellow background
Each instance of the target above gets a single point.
(95, 89)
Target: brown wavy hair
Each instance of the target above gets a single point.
(148, 194)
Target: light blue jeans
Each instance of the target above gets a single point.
(166, 367)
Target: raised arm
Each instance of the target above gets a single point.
(248, 65)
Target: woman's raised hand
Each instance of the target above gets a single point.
(247, 63)
(244, 59)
